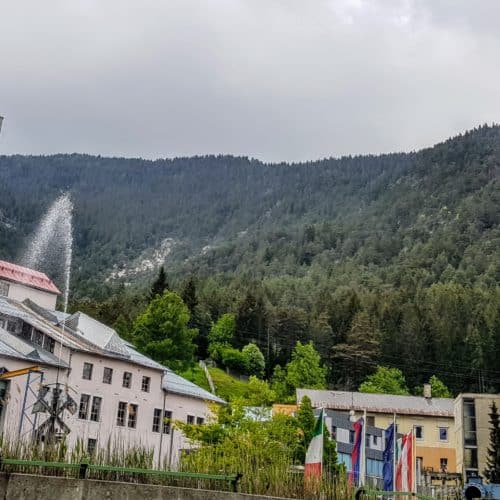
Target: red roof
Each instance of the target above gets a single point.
(28, 277)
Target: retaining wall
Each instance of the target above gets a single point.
(30, 487)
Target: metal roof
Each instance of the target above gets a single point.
(14, 347)
(28, 277)
(84, 333)
(96, 333)
(11, 307)
(176, 384)
(378, 403)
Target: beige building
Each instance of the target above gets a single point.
(472, 436)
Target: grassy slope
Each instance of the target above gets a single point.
(227, 387)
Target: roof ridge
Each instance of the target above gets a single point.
(28, 277)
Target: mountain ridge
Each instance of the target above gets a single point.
(236, 207)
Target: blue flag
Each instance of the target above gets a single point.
(389, 458)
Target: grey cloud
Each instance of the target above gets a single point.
(277, 80)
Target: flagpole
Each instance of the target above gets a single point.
(414, 460)
(322, 434)
(394, 444)
(362, 472)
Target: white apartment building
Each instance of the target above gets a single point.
(122, 397)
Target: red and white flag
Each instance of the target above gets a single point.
(404, 469)
(314, 456)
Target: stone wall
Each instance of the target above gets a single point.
(29, 487)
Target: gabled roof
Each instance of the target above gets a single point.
(28, 277)
(379, 403)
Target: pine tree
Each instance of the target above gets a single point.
(189, 296)
(355, 358)
(251, 322)
(199, 319)
(159, 285)
(492, 472)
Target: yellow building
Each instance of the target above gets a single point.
(284, 409)
(432, 419)
(472, 436)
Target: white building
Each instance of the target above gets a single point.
(123, 398)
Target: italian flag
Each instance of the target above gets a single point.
(314, 456)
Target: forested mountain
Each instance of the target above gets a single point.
(402, 247)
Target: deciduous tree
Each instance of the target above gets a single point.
(162, 332)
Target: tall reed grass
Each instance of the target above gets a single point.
(267, 469)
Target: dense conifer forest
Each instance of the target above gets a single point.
(387, 260)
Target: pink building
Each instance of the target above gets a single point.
(122, 397)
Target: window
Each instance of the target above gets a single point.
(370, 420)
(95, 411)
(122, 412)
(470, 458)
(443, 433)
(167, 421)
(190, 419)
(470, 436)
(4, 288)
(11, 326)
(83, 411)
(375, 440)
(419, 432)
(127, 379)
(156, 420)
(132, 416)
(146, 382)
(87, 371)
(200, 420)
(49, 343)
(443, 463)
(2, 323)
(26, 330)
(38, 337)
(334, 432)
(91, 446)
(107, 375)
(351, 437)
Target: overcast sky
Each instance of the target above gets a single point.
(271, 79)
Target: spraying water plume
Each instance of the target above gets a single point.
(51, 247)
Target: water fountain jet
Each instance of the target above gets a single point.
(51, 247)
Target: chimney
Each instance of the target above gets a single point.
(427, 391)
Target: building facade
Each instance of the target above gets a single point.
(472, 437)
(115, 396)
